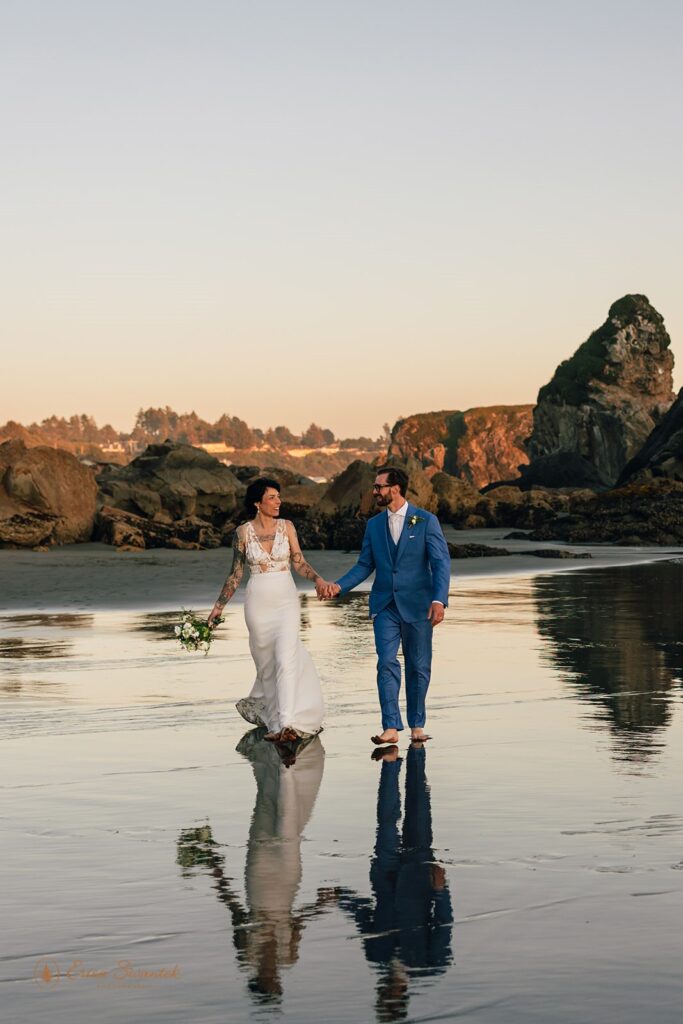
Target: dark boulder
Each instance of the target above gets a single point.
(46, 496)
(641, 513)
(562, 469)
(662, 453)
(175, 479)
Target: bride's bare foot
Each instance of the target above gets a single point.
(388, 736)
(419, 735)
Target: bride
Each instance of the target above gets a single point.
(286, 697)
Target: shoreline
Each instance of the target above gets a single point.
(96, 577)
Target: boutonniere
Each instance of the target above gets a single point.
(414, 520)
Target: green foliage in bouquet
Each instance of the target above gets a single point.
(193, 633)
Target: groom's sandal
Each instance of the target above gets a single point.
(378, 741)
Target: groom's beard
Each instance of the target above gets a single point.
(382, 500)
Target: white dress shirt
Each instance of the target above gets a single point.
(397, 521)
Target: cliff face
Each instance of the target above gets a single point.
(662, 453)
(479, 445)
(604, 402)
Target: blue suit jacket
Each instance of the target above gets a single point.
(416, 573)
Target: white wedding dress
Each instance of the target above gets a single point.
(286, 693)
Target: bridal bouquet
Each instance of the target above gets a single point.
(194, 634)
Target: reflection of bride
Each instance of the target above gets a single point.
(267, 932)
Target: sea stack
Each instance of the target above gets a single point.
(603, 403)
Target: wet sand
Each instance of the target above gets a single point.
(525, 866)
(91, 576)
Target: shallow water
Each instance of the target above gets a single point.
(527, 865)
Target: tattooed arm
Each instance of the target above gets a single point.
(233, 581)
(300, 564)
(298, 561)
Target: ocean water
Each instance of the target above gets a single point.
(162, 863)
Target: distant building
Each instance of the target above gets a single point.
(121, 447)
(216, 447)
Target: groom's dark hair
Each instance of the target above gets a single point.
(395, 477)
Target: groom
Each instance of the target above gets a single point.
(405, 548)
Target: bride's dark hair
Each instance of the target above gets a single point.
(255, 491)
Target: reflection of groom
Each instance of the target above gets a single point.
(407, 928)
(406, 550)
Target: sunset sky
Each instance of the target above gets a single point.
(333, 210)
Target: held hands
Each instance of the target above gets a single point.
(326, 590)
(436, 613)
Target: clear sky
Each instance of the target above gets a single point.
(333, 210)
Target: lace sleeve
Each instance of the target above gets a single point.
(238, 558)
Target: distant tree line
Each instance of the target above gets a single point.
(154, 425)
(77, 429)
(189, 428)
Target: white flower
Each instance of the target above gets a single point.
(177, 631)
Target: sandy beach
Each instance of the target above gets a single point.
(525, 867)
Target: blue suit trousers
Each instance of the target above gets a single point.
(416, 640)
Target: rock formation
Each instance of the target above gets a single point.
(456, 499)
(173, 495)
(561, 469)
(604, 402)
(127, 530)
(351, 491)
(662, 453)
(648, 513)
(172, 481)
(46, 497)
(479, 446)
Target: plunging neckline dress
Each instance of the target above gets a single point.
(286, 693)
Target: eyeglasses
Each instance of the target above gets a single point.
(381, 487)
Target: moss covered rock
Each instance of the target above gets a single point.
(604, 401)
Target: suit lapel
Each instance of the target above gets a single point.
(403, 539)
